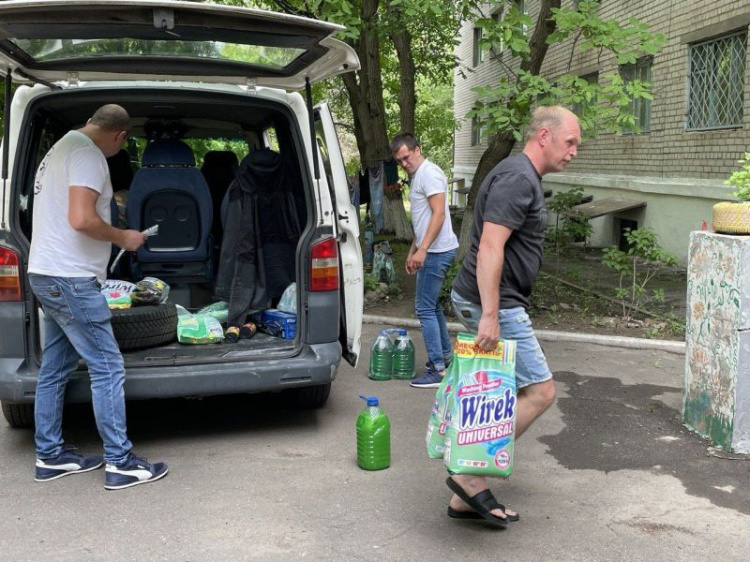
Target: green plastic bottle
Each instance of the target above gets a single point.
(373, 436)
(381, 357)
(403, 356)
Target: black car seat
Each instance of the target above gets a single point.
(170, 191)
(219, 168)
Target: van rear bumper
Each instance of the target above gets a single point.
(316, 364)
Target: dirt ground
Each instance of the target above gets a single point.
(572, 294)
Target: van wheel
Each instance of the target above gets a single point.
(311, 396)
(18, 415)
(144, 326)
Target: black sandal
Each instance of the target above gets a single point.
(464, 514)
(482, 504)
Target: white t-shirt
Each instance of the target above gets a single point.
(428, 180)
(56, 248)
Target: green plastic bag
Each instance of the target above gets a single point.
(219, 310)
(480, 436)
(197, 329)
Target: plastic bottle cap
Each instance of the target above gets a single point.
(371, 400)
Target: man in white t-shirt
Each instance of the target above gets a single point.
(71, 244)
(431, 254)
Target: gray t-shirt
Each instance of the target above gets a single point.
(511, 196)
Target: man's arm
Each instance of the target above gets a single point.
(437, 206)
(83, 218)
(490, 259)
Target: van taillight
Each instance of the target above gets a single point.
(324, 270)
(10, 282)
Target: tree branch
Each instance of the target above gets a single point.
(289, 8)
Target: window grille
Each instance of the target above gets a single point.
(717, 83)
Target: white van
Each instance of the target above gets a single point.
(187, 73)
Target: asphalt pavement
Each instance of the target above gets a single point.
(608, 473)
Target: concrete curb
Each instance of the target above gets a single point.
(676, 347)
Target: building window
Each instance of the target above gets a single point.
(478, 49)
(579, 108)
(498, 47)
(521, 5)
(476, 131)
(716, 83)
(640, 107)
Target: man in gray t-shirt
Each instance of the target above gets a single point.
(431, 254)
(491, 291)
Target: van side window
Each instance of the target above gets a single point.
(272, 139)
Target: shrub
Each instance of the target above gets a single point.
(637, 267)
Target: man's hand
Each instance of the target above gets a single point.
(132, 240)
(488, 332)
(415, 261)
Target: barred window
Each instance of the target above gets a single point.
(640, 107)
(717, 83)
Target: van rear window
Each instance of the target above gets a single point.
(48, 50)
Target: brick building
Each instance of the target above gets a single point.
(694, 130)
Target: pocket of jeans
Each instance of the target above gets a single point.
(87, 283)
(54, 303)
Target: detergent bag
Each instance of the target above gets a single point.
(440, 415)
(479, 435)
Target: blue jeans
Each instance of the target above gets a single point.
(435, 334)
(515, 324)
(78, 325)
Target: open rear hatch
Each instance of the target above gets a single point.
(58, 41)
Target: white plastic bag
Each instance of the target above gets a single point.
(288, 302)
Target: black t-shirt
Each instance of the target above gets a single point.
(511, 196)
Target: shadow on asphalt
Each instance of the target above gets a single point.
(162, 420)
(610, 426)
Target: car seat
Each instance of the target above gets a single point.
(121, 176)
(219, 168)
(170, 191)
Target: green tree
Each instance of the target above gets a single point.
(400, 44)
(503, 108)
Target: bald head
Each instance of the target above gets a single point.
(550, 117)
(108, 128)
(111, 118)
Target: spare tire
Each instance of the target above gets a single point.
(144, 326)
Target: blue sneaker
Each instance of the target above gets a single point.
(430, 365)
(67, 462)
(131, 472)
(431, 379)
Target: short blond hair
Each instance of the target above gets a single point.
(546, 117)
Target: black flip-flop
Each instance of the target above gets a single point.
(464, 514)
(482, 503)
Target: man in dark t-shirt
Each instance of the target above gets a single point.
(491, 291)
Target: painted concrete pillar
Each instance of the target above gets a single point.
(716, 395)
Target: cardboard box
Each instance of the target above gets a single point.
(278, 323)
